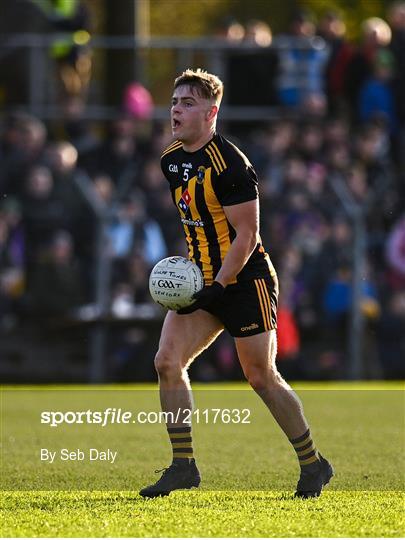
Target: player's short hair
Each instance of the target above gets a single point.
(207, 85)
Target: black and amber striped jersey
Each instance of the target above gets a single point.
(202, 183)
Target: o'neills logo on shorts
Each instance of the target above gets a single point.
(253, 326)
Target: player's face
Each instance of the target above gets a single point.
(190, 115)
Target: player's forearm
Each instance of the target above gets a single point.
(241, 249)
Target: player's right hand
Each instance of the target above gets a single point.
(204, 298)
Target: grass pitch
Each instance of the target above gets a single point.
(249, 472)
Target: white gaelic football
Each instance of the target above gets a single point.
(173, 281)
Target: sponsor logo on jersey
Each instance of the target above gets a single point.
(184, 201)
(186, 165)
(200, 174)
(192, 222)
(252, 326)
(173, 168)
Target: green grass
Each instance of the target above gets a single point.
(249, 471)
(202, 514)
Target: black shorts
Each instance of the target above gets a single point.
(249, 307)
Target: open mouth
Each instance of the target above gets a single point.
(175, 123)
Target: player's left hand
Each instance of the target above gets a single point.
(204, 298)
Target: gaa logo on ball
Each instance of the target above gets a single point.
(173, 281)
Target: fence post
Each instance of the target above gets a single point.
(36, 59)
(356, 333)
(356, 214)
(98, 339)
(102, 271)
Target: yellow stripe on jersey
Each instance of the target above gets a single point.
(213, 160)
(219, 155)
(218, 216)
(177, 196)
(175, 143)
(200, 233)
(172, 147)
(171, 144)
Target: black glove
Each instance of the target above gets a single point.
(204, 298)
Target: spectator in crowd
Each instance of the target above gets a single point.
(376, 35)
(42, 213)
(118, 153)
(23, 146)
(376, 96)
(257, 61)
(301, 67)
(12, 258)
(159, 204)
(56, 287)
(230, 30)
(391, 336)
(396, 19)
(72, 56)
(133, 230)
(395, 254)
(268, 149)
(332, 29)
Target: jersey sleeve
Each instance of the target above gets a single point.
(163, 166)
(237, 184)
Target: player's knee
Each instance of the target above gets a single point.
(261, 378)
(256, 378)
(166, 364)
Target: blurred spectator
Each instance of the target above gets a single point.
(390, 331)
(230, 30)
(332, 29)
(42, 212)
(396, 19)
(76, 127)
(138, 277)
(23, 146)
(138, 101)
(58, 267)
(376, 96)
(118, 155)
(12, 255)
(62, 160)
(159, 203)
(71, 54)
(133, 230)
(104, 187)
(301, 67)
(310, 143)
(395, 254)
(376, 34)
(251, 70)
(269, 149)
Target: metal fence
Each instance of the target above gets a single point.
(211, 51)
